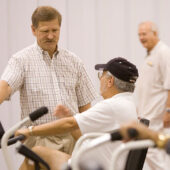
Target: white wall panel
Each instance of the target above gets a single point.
(19, 24)
(111, 29)
(82, 32)
(5, 107)
(16, 33)
(3, 34)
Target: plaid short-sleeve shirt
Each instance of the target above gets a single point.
(43, 81)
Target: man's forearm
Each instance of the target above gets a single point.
(5, 90)
(84, 108)
(76, 134)
(60, 126)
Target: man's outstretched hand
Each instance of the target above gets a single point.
(62, 111)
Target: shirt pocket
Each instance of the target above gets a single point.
(37, 86)
(147, 74)
(67, 86)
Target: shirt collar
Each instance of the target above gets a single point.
(41, 51)
(122, 94)
(155, 47)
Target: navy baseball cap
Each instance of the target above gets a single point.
(121, 69)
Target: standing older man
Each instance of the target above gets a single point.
(47, 75)
(116, 85)
(153, 88)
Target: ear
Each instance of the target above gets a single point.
(155, 33)
(110, 82)
(33, 30)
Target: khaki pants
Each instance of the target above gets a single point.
(64, 143)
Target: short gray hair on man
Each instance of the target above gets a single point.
(121, 85)
(153, 26)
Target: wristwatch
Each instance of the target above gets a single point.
(30, 128)
(161, 141)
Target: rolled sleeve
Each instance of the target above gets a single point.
(85, 90)
(13, 74)
(95, 119)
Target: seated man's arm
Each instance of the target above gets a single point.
(84, 108)
(60, 126)
(62, 111)
(5, 90)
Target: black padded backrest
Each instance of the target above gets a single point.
(136, 158)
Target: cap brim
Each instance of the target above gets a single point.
(100, 66)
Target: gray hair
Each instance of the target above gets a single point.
(121, 85)
(153, 26)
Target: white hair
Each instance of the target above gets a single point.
(153, 26)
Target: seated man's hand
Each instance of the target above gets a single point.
(62, 111)
(143, 131)
(161, 140)
(24, 132)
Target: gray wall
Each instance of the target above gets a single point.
(96, 30)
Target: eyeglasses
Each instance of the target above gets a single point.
(100, 73)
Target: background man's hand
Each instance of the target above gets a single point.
(62, 111)
(143, 131)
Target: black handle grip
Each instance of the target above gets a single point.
(15, 139)
(116, 136)
(132, 133)
(38, 113)
(22, 149)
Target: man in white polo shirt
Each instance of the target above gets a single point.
(116, 86)
(152, 92)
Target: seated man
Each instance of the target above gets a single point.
(116, 86)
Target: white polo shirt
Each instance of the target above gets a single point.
(151, 94)
(153, 84)
(107, 116)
